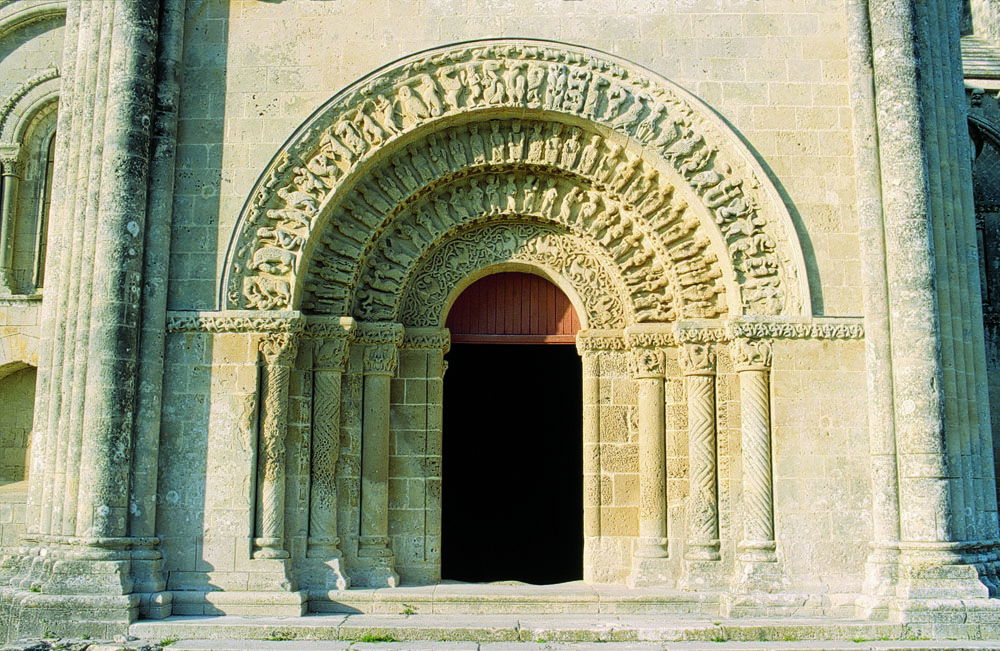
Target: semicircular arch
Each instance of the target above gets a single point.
(38, 95)
(669, 152)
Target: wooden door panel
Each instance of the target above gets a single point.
(513, 308)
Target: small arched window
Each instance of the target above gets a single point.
(26, 199)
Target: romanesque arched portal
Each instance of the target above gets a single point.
(624, 190)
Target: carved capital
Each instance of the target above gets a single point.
(381, 359)
(279, 349)
(588, 341)
(751, 354)
(10, 161)
(378, 332)
(697, 359)
(328, 327)
(330, 354)
(648, 363)
(427, 339)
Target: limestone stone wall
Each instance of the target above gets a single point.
(17, 395)
(30, 49)
(821, 474)
(776, 69)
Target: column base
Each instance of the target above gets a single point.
(31, 615)
(269, 548)
(66, 592)
(928, 574)
(881, 581)
(375, 553)
(702, 575)
(650, 572)
(323, 573)
(155, 605)
(150, 586)
(376, 576)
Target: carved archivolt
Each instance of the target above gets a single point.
(25, 101)
(503, 115)
(542, 246)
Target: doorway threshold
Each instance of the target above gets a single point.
(513, 597)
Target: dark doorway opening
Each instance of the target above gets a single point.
(512, 467)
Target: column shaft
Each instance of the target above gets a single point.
(324, 541)
(114, 324)
(652, 456)
(380, 362)
(753, 362)
(698, 364)
(880, 571)
(279, 354)
(8, 208)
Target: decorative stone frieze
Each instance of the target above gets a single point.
(234, 322)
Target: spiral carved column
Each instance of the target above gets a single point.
(278, 352)
(756, 549)
(329, 356)
(698, 367)
(381, 358)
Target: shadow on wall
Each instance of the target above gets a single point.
(201, 131)
(185, 433)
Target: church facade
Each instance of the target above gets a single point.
(689, 300)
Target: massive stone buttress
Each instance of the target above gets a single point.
(89, 560)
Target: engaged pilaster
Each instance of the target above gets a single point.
(278, 352)
(756, 549)
(381, 357)
(702, 550)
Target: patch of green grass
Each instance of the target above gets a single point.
(718, 637)
(280, 636)
(167, 641)
(407, 610)
(35, 588)
(372, 637)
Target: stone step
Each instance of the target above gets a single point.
(492, 629)
(820, 645)
(467, 598)
(474, 599)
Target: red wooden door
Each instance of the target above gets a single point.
(513, 308)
